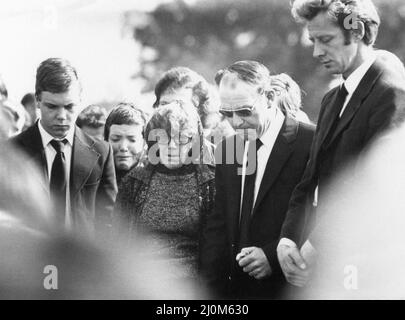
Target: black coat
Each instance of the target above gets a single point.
(283, 171)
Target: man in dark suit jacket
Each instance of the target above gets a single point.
(238, 252)
(370, 101)
(82, 169)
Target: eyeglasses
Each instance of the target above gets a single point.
(242, 111)
(181, 140)
(239, 113)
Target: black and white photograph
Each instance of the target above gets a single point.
(202, 156)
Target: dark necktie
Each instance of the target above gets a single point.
(57, 184)
(337, 106)
(248, 196)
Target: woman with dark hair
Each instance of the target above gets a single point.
(172, 195)
(124, 131)
(184, 84)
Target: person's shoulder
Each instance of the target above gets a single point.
(305, 134)
(306, 127)
(329, 94)
(26, 134)
(207, 171)
(100, 146)
(26, 139)
(392, 71)
(139, 173)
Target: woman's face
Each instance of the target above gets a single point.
(127, 143)
(174, 150)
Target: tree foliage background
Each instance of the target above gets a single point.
(207, 35)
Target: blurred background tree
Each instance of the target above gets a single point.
(207, 35)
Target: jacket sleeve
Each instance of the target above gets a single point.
(296, 218)
(105, 197)
(213, 249)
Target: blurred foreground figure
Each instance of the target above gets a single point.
(361, 236)
(39, 262)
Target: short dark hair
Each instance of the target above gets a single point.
(250, 71)
(125, 113)
(55, 75)
(339, 10)
(27, 99)
(202, 96)
(92, 116)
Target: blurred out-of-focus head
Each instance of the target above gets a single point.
(92, 120)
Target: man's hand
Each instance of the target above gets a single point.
(254, 262)
(293, 265)
(308, 253)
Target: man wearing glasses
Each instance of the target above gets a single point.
(256, 172)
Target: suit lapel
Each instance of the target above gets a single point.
(330, 115)
(279, 155)
(361, 92)
(83, 160)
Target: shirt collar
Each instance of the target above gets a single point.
(47, 138)
(354, 79)
(276, 118)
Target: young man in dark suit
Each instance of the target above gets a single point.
(370, 101)
(256, 172)
(78, 171)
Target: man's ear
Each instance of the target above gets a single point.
(37, 100)
(359, 32)
(270, 99)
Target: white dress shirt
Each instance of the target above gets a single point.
(353, 81)
(50, 154)
(268, 139)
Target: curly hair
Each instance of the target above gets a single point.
(339, 11)
(288, 92)
(202, 96)
(177, 115)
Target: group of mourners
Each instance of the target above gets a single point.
(221, 181)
